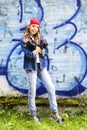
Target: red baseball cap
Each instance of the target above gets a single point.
(34, 21)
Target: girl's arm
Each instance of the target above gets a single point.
(29, 53)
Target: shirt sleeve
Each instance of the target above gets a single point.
(28, 52)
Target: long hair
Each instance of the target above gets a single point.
(27, 34)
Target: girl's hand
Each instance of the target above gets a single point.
(26, 40)
(38, 50)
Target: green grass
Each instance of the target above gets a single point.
(18, 118)
(14, 115)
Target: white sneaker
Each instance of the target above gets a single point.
(36, 119)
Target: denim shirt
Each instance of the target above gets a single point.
(30, 57)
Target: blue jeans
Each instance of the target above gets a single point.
(46, 80)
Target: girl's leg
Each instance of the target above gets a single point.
(31, 78)
(46, 80)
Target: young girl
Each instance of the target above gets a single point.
(34, 47)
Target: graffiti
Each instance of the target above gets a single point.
(60, 25)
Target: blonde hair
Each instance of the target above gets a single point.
(27, 35)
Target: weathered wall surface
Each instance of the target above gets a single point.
(64, 25)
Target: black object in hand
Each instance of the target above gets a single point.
(43, 44)
(31, 44)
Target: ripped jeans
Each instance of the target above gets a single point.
(46, 80)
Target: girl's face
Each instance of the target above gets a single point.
(34, 29)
